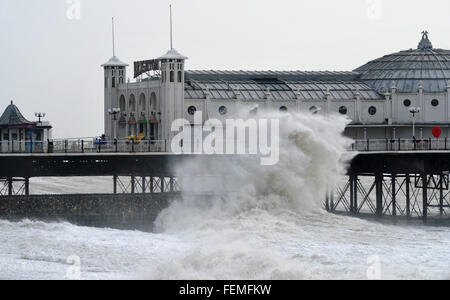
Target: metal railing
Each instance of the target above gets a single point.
(430, 144)
(85, 145)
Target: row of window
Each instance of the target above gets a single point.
(172, 76)
(434, 103)
(313, 109)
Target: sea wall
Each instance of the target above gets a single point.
(121, 211)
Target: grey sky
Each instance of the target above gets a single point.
(52, 64)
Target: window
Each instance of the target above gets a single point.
(192, 110)
(372, 110)
(407, 103)
(283, 109)
(223, 110)
(314, 109)
(114, 82)
(179, 76)
(343, 110)
(172, 76)
(435, 102)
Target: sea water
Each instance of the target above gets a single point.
(262, 223)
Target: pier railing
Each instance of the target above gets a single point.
(84, 145)
(401, 145)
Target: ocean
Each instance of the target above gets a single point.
(263, 223)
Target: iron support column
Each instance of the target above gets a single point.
(10, 186)
(379, 192)
(425, 197)
(408, 198)
(352, 194)
(394, 197)
(133, 185)
(27, 186)
(441, 196)
(144, 188)
(115, 184)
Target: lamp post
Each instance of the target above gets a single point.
(39, 115)
(114, 112)
(414, 111)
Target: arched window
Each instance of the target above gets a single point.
(343, 110)
(122, 104)
(153, 103)
(372, 110)
(172, 76)
(179, 76)
(142, 106)
(132, 103)
(283, 109)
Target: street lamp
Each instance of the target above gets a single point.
(39, 115)
(414, 111)
(114, 112)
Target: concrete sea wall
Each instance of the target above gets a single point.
(121, 211)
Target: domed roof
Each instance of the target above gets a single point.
(115, 62)
(173, 54)
(408, 69)
(12, 116)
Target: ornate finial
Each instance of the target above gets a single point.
(425, 42)
(12, 102)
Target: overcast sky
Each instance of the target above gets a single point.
(51, 53)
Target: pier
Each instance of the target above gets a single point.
(382, 181)
(408, 184)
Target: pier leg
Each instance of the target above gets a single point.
(27, 186)
(394, 197)
(152, 185)
(162, 185)
(425, 197)
(144, 188)
(379, 192)
(408, 196)
(172, 184)
(441, 196)
(115, 184)
(352, 194)
(355, 195)
(133, 185)
(10, 186)
(332, 201)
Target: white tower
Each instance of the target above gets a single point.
(172, 88)
(115, 74)
(172, 91)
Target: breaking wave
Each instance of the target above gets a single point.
(236, 232)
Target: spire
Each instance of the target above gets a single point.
(113, 38)
(171, 28)
(425, 42)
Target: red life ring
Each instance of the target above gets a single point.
(437, 131)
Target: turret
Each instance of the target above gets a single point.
(172, 91)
